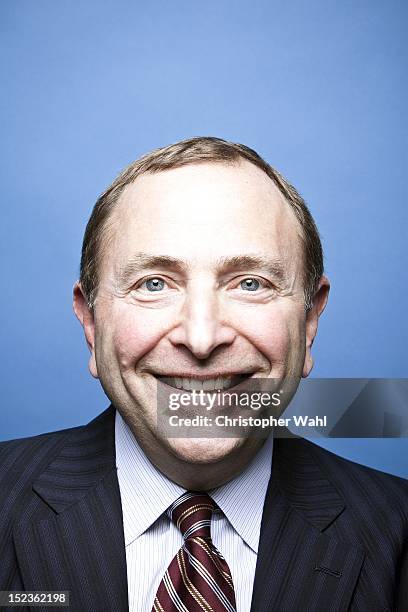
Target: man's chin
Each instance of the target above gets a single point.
(202, 451)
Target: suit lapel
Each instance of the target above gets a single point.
(79, 546)
(299, 566)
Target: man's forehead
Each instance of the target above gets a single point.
(241, 180)
(216, 210)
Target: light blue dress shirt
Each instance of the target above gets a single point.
(151, 539)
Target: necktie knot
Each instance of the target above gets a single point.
(198, 578)
(191, 513)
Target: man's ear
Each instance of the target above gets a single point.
(312, 317)
(86, 318)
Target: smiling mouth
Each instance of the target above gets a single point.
(208, 384)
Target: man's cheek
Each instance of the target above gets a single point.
(132, 340)
(129, 345)
(271, 336)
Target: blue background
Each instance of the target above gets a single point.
(318, 88)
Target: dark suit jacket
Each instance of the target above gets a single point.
(334, 534)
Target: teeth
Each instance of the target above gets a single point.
(185, 383)
(193, 384)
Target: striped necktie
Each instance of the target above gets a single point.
(198, 578)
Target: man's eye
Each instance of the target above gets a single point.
(250, 284)
(153, 284)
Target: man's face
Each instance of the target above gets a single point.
(201, 282)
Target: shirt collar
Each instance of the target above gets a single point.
(242, 499)
(146, 493)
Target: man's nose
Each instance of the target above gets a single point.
(202, 327)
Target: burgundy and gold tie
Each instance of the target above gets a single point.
(198, 578)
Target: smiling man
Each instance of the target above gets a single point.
(202, 280)
(201, 269)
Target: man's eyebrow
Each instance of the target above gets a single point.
(142, 261)
(272, 265)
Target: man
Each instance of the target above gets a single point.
(201, 269)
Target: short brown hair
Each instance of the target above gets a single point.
(194, 151)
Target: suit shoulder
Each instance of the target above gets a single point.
(18, 455)
(23, 459)
(29, 440)
(356, 481)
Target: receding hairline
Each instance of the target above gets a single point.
(110, 224)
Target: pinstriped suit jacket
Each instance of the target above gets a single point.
(334, 534)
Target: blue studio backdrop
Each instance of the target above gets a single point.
(318, 88)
